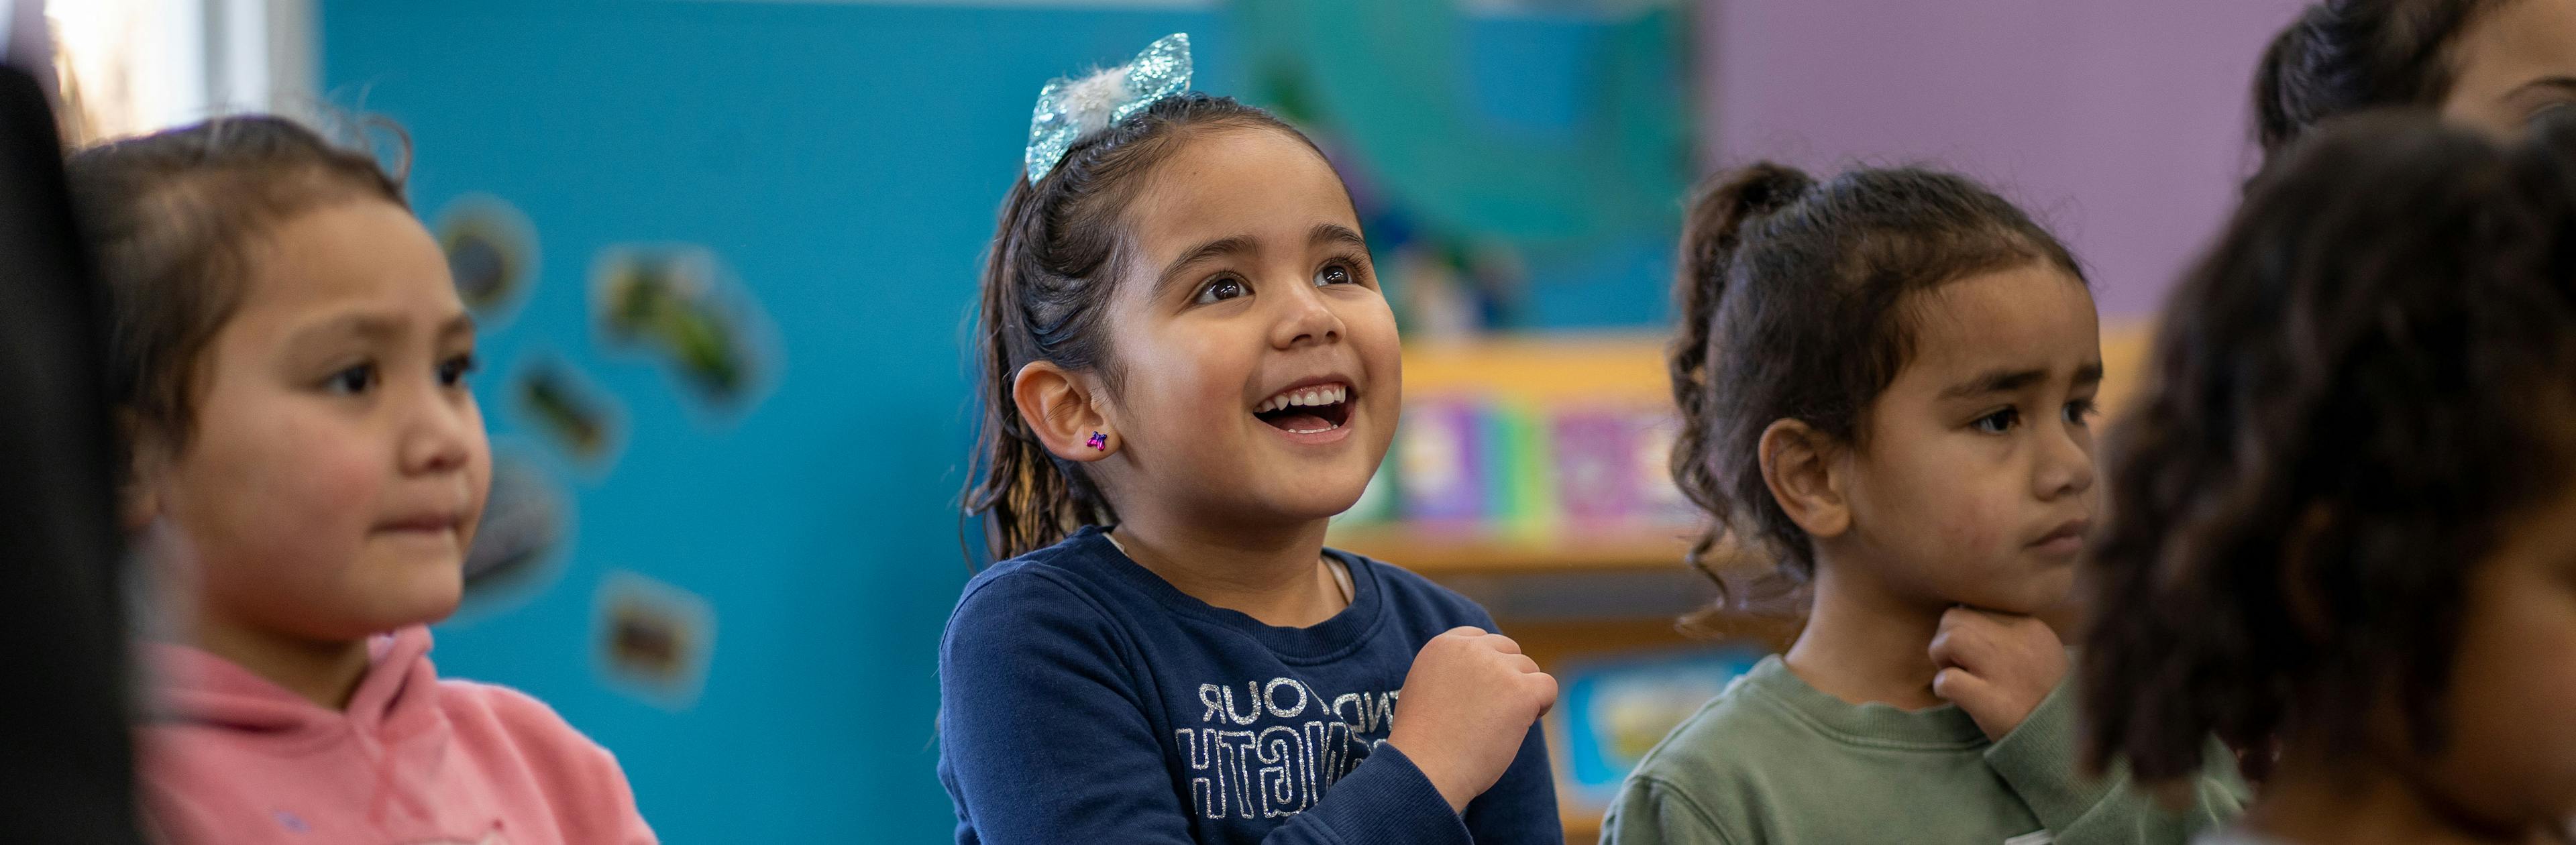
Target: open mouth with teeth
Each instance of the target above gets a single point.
(1307, 410)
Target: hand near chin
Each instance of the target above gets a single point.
(1995, 666)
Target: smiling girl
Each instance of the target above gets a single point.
(1188, 368)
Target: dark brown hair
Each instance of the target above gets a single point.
(176, 217)
(1055, 254)
(1793, 301)
(2343, 56)
(2348, 395)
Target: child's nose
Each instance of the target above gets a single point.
(2066, 465)
(441, 433)
(1308, 321)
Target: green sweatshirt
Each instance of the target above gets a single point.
(1773, 761)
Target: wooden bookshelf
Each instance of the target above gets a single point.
(1632, 365)
(1435, 553)
(1581, 826)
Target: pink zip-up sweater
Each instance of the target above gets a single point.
(230, 757)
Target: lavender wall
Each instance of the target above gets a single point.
(2123, 124)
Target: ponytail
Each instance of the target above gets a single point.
(1710, 235)
(2286, 100)
(1029, 498)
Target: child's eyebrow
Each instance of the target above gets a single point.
(461, 324)
(1994, 381)
(1335, 233)
(2563, 83)
(2005, 380)
(363, 326)
(376, 327)
(1221, 247)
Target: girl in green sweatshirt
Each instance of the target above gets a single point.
(1886, 382)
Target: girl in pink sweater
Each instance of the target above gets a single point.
(289, 361)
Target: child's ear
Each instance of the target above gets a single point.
(1798, 464)
(1064, 411)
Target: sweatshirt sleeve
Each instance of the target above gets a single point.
(1651, 812)
(2038, 760)
(1045, 740)
(1521, 806)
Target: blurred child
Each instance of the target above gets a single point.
(2494, 64)
(1886, 382)
(288, 359)
(2346, 533)
(1188, 367)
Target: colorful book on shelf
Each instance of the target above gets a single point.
(1538, 443)
(1442, 458)
(1594, 458)
(1523, 481)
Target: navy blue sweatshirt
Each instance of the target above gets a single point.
(1083, 699)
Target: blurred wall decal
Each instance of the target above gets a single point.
(519, 546)
(654, 639)
(581, 420)
(678, 303)
(492, 250)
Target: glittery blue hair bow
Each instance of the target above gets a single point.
(1069, 110)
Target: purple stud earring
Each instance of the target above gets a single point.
(1098, 441)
